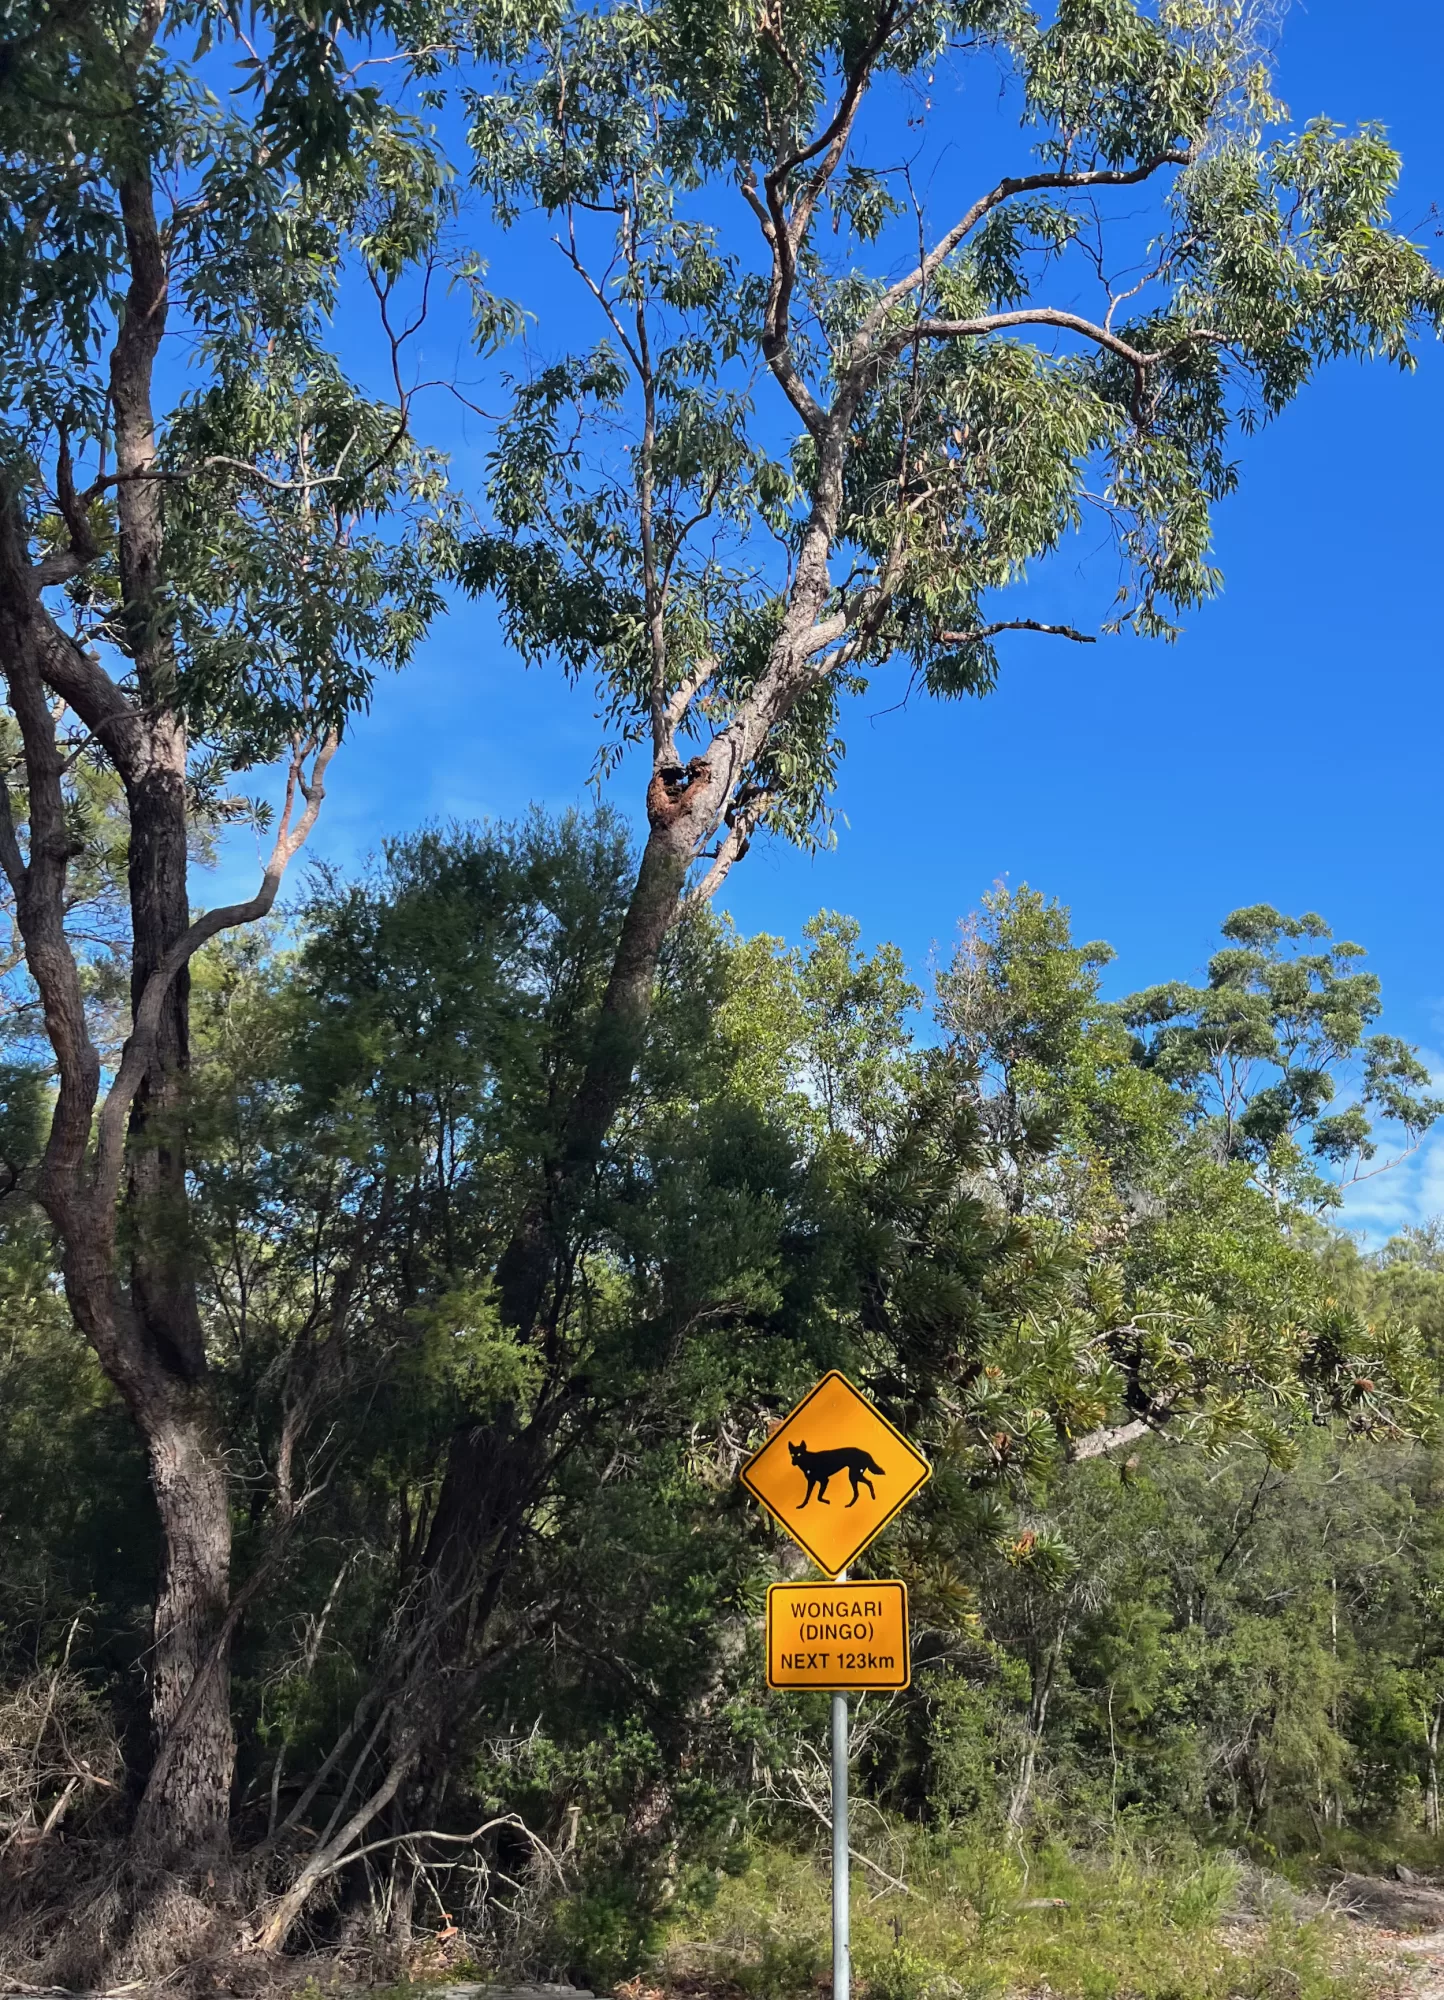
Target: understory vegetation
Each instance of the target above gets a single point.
(978, 1923)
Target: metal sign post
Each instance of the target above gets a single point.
(841, 1954)
(841, 1959)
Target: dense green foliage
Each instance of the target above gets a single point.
(1005, 1216)
(833, 406)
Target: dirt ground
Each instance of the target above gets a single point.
(1413, 1963)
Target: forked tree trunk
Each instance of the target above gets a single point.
(133, 1296)
(113, 1176)
(185, 1811)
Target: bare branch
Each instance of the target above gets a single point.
(803, 1797)
(432, 1833)
(1094, 1444)
(690, 688)
(1069, 322)
(288, 1907)
(834, 136)
(1153, 1422)
(135, 1060)
(1016, 625)
(1140, 360)
(82, 551)
(733, 846)
(84, 685)
(1015, 184)
(827, 633)
(785, 232)
(743, 818)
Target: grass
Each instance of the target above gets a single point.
(979, 1924)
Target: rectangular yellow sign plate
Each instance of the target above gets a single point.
(838, 1635)
(834, 1473)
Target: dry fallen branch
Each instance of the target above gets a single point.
(271, 1931)
(56, 1745)
(806, 1799)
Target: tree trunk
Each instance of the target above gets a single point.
(161, 1274)
(134, 1297)
(539, 1239)
(494, 1473)
(185, 1811)
(1431, 1785)
(1043, 1676)
(184, 1815)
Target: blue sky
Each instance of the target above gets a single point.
(1286, 749)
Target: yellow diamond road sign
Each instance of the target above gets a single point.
(834, 1473)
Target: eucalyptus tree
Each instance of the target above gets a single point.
(839, 404)
(210, 540)
(1283, 1020)
(1254, 1061)
(821, 429)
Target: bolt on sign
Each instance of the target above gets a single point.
(838, 1635)
(834, 1473)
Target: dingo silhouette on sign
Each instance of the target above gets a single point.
(832, 1431)
(817, 1467)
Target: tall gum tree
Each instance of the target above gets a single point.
(825, 425)
(820, 431)
(209, 541)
